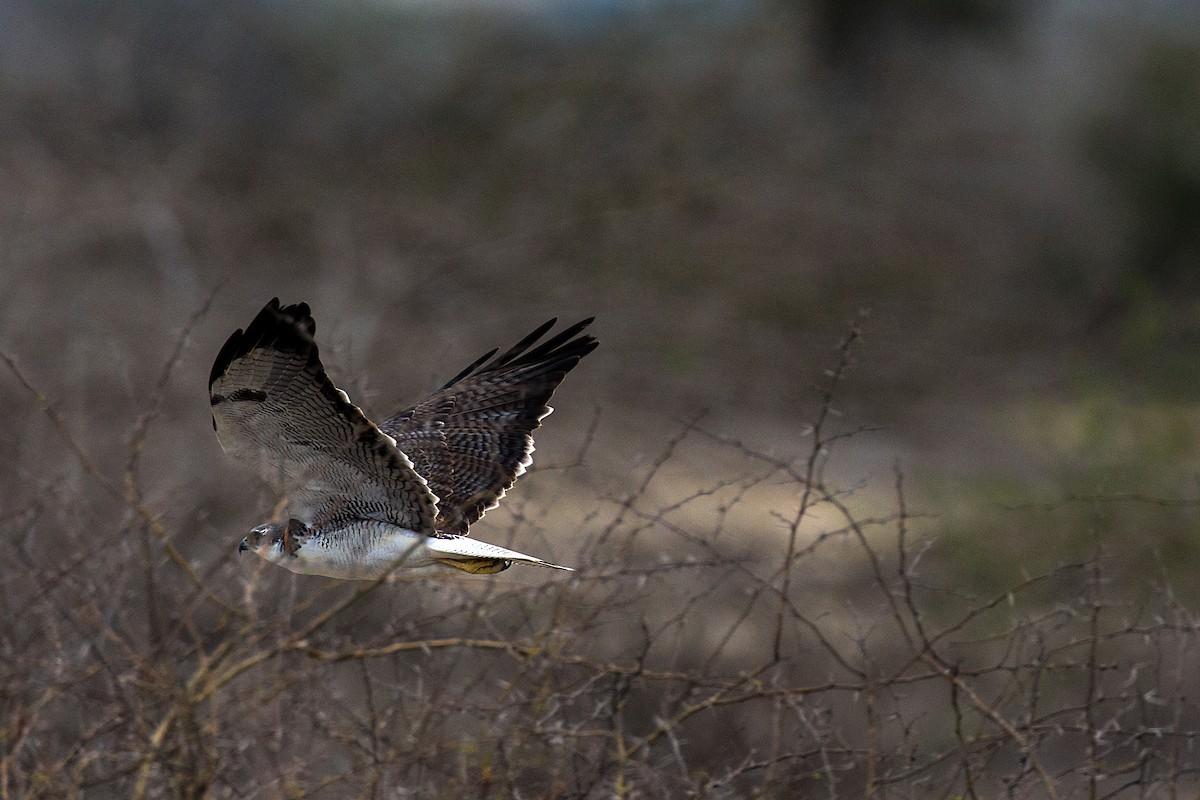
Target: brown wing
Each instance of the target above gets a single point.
(276, 410)
(471, 439)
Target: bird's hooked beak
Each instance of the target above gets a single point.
(244, 546)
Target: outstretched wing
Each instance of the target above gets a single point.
(471, 439)
(275, 410)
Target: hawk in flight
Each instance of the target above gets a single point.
(364, 499)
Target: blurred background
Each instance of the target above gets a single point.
(1011, 190)
(1006, 195)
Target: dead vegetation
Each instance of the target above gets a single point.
(676, 662)
(759, 608)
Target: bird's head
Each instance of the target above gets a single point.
(262, 538)
(275, 540)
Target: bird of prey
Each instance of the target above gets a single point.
(363, 499)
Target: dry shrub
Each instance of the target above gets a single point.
(764, 634)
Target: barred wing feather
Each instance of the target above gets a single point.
(472, 438)
(276, 410)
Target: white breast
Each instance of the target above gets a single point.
(363, 549)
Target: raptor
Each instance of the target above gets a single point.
(365, 499)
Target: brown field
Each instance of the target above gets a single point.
(882, 483)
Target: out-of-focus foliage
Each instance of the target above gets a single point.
(850, 34)
(1149, 142)
(1008, 188)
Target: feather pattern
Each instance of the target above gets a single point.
(472, 438)
(364, 500)
(276, 410)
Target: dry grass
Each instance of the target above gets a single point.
(677, 661)
(772, 599)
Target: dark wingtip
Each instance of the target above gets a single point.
(566, 344)
(289, 328)
(476, 364)
(561, 351)
(562, 344)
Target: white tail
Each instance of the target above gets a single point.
(469, 549)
